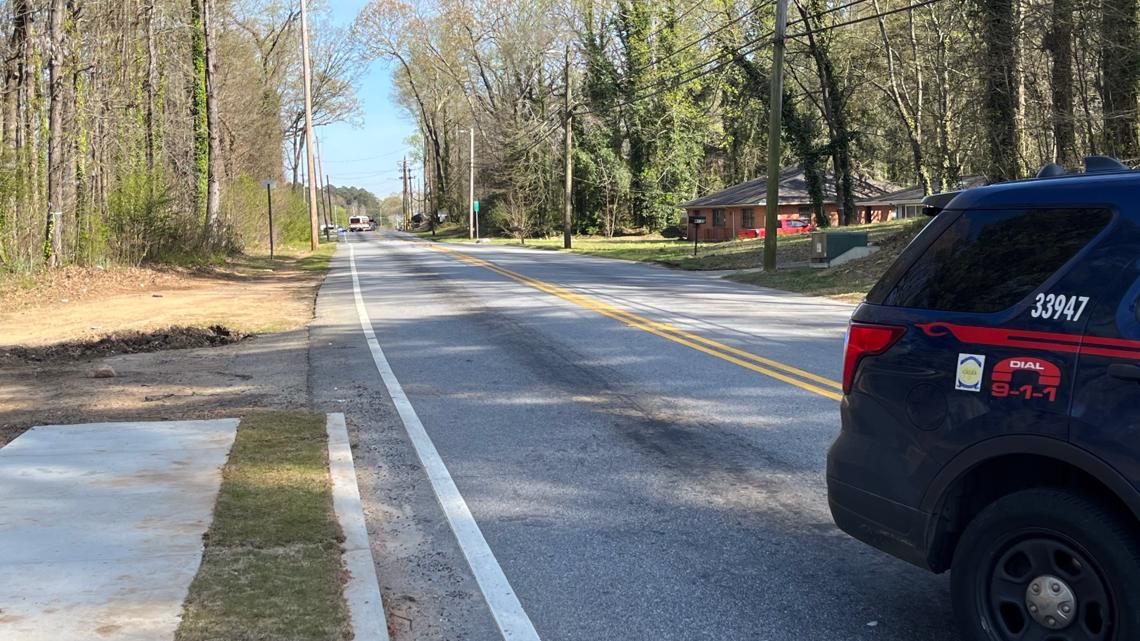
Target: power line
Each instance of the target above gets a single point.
(749, 47)
(370, 158)
(744, 49)
(712, 33)
(917, 5)
(684, 14)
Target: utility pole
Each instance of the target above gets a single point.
(568, 214)
(426, 180)
(775, 111)
(404, 168)
(329, 209)
(321, 172)
(269, 197)
(320, 189)
(308, 79)
(471, 188)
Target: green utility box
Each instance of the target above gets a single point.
(826, 246)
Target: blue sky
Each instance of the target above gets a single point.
(367, 156)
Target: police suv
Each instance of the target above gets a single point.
(991, 411)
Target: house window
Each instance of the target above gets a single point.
(749, 221)
(805, 211)
(718, 218)
(909, 211)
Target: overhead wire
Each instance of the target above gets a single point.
(881, 14)
(751, 46)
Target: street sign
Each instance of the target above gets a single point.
(475, 206)
(268, 184)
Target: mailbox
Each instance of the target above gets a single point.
(697, 220)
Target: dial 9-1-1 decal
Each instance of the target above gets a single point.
(1042, 380)
(1059, 306)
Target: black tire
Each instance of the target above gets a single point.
(1053, 532)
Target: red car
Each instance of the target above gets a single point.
(790, 226)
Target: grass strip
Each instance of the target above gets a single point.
(794, 249)
(271, 569)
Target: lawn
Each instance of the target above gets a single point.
(793, 250)
(271, 568)
(850, 281)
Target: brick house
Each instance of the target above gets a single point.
(743, 206)
(905, 203)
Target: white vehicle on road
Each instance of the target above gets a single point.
(359, 223)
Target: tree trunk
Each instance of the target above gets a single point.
(213, 126)
(999, 67)
(800, 130)
(909, 112)
(298, 147)
(53, 246)
(198, 110)
(1059, 43)
(1120, 69)
(151, 87)
(835, 114)
(14, 73)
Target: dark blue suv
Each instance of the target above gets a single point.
(991, 417)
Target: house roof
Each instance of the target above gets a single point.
(914, 195)
(793, 191)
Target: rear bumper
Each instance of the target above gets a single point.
(891, 527)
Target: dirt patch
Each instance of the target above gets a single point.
(128, 342)
(67, 285)
(89, 345)
(263, 372)
(248, 296)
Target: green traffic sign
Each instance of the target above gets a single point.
(476, 206)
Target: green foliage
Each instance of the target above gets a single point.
(139, 223)
(198, 110)
(245, 210)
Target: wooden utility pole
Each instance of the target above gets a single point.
(320, 189)
(329, 208)
(568, 214)
(407, 217)
(308, 80)
(775, 111)
(320, 173)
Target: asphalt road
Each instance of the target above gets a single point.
(649, 476)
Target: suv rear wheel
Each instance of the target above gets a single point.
(1047, 565)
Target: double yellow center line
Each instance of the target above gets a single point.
(786, 373)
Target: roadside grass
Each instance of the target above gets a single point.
(288, 256)
(816, 282)
(793, 250)
(271, 568)
(451, 233)
(849, 282)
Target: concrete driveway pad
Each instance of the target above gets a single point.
(101, 527)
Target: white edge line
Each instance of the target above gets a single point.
(513, 622)
(362, 590)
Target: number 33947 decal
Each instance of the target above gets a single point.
(1059, 306)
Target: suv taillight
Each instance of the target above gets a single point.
(866, 340)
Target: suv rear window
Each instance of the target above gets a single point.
(987, 261)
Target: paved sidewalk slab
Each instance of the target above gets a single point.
(101, 527)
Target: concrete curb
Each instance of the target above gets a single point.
(362, 590)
